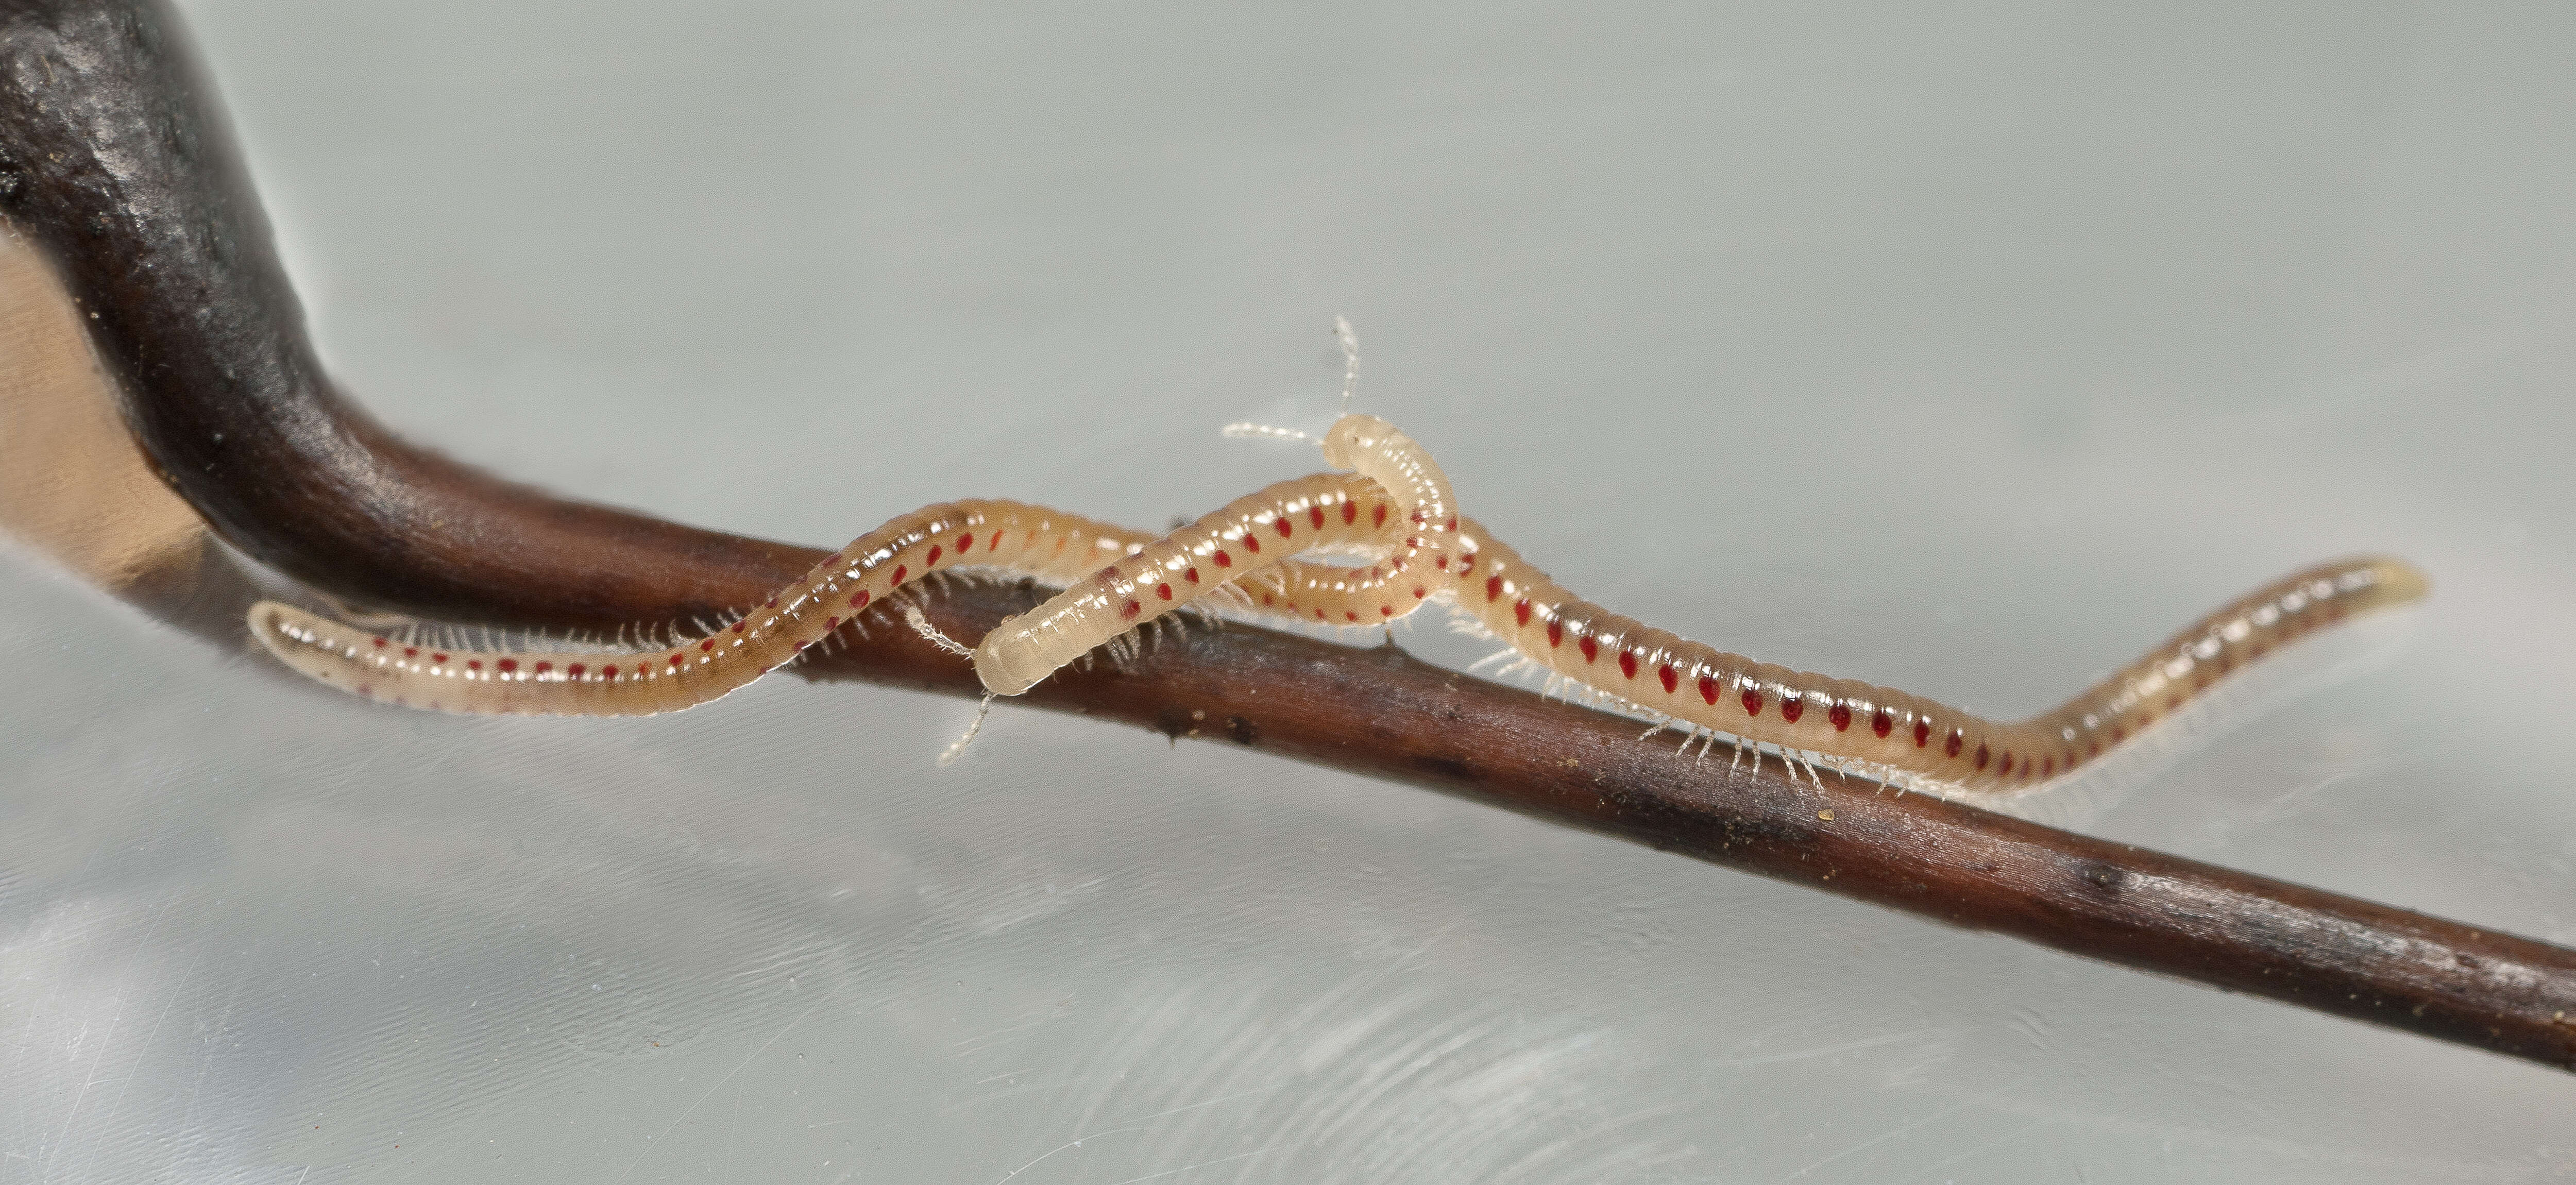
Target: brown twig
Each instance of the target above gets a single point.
(112, 157)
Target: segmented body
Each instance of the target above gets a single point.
(1894, 734)
(1844, 723)
(1013, 536)
(1399, 502)
(1408, 500)
(1325, 510)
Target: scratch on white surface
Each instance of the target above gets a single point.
(1883, 1137)
(1244, 1094)
(171, 998)
(1200, 1165)
(804, 953)
(1830, 1050)
(1521, 1071)
(683, 1117)
(1073, 1143)
(1981, 1146)
(1029, 907)
(1146, 1123)
(108, 1042)
(980, 1042)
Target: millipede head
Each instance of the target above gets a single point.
(1354, 435)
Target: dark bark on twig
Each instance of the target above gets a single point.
(113, 156)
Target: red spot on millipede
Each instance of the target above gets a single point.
(1133, 608)
(1319, 615)
(1349, 615)
(606, 672)
(737, 627)
(1386, 610)
(1420, 592)
(2048, 767)
(1441, 563)
(1708, 688)
(411, 652)
(1591, 649)
(1283, 526)
(1841, 717)
(1922, 733)
(1882, 723)
(473, 664)
(438, 658)
(1452, 524)
(1555, 630)
(675, 660)
(860, 601)
(1671, 677)
(933, 561)
(1164, 591)
(1350, 513)
(2024, 771)
(1752, 701)
(900, 572)
(1522, 611)
(1792, 707)
(544, 667)
(1494, 590)
(965, 543)
(709, 644)
(994, 543)
(1192, 575)
(1223, 560)
(1417, 516)
(831, 623)
(1982, 755)
(1377, 517)
(1252, 543)
(1315, 515)
(1465, 562)
(1628, 664)
(509, 665)
(1950, 748)
(380, 643)
(771, 604)
(2006, 769)
(1268, 599)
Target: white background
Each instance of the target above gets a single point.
(1966, 351)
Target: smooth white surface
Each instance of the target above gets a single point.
(1966, 352)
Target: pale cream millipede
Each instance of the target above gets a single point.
(1398, 504)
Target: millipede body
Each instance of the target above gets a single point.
(1396, 504)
